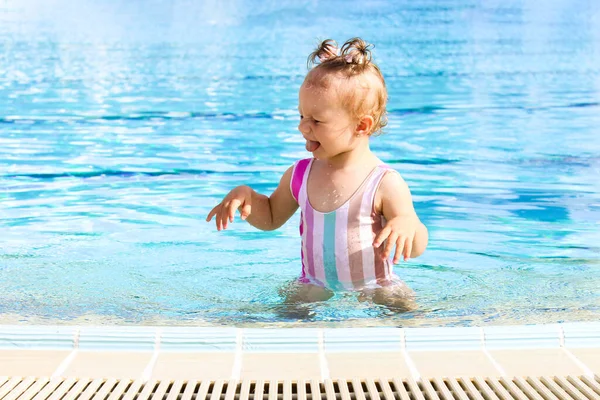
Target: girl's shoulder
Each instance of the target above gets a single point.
(391, 186)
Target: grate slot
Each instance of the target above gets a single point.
(245, 390)
(568, 387)
(364, 388)
(513, 389)
(105, 389)
(174, 391)
(357, 389)
(527, 389)
(259, 390)
(33, 389)
(557, 390)
(582, 387)
(117, 391)
(370, 387)
(483, 388)
(19, 389)
(90, 389)
(399, 389)
(147, 390)
(429, 391)
(191, 388)
(343, 390)
(8, 386)
(594, 385)
(48, 389)
(216, 389)
(386, 389)
(413, 388)
(77, 389)
(133, 391)
(501, 391)
(62, 389)
(316, 390)
(266, 389)
(160, 391)
(541, 389)
(203, 390)
(233, 390)
(457, 390)
(329, 389)
(441, 389)
(470, 388)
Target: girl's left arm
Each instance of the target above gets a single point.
(403, 228)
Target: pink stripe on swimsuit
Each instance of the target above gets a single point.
(337, 247)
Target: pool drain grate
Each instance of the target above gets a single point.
(478, 388)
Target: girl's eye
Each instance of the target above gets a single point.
(315, 121)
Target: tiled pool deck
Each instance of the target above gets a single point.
(290, 354)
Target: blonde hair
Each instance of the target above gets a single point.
(353, 63)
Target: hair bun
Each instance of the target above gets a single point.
(356, 51)
(326, 51)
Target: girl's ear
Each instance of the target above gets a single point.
(364, 126)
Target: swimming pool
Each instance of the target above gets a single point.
(122, 124)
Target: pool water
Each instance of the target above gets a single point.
(123, 123)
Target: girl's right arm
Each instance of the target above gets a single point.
(262, 212)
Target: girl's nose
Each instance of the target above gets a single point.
(303, 126)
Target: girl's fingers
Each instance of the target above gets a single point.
(224, 212)
(380, 238)
(218, 220)
(389, 245)
(225, 216)
(246, 210)
(235, 203)
(399, 249)
(212, 212)
(408, 249)
(216, 212)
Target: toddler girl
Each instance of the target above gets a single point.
(354, 208)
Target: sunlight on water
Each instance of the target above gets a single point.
(123, 123)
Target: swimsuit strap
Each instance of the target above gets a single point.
(300, 168)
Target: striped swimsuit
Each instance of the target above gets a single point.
(337, 247)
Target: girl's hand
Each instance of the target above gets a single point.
(399, 231)
(240, 197)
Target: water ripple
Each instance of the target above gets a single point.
(230, 116)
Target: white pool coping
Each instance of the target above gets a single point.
(156, 352)
(215, 339)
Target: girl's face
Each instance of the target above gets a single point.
(328, 128)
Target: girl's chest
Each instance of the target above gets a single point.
(329, 191)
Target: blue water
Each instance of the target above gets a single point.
(122, 123)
